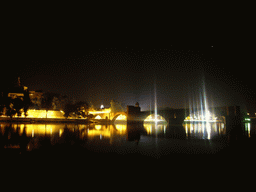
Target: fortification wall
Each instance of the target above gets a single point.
(32, 113)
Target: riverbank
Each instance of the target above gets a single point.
(44, 120)
(57, 120)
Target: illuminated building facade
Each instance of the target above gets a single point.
(34, 113)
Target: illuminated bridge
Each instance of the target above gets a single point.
(172, 116)
(230, 115)
(178, 116)
(106, 115)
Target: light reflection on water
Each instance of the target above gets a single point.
(12, 135)
(204, 130)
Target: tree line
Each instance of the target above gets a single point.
(12, 106)
(47, 101)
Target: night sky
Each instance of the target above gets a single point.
(97, 66)
(97, 75)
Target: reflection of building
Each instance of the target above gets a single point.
(38, 133)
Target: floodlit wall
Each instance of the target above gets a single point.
(32, 113)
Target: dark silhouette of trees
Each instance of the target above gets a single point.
(116, 106)
(18, 104)
(82, 109)
(3, 102)
(47, 101)
(68, 109)
(79, 109)
(26, 102)
(15, 105)
(53, 101)
(10, 110)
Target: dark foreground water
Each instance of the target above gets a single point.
(148, 140)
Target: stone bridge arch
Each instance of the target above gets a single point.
(115, 115)
(174, 116)
(159, 115)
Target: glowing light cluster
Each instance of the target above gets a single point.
(101, 111)
(33, 113)
(202, 116)
(121, 117)
(204, 130)
(155, 118)
(199, 108)
(98, 117)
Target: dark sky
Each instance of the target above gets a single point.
(128, 75)
(98, 62)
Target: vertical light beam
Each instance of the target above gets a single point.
(155, 103)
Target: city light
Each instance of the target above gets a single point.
(199, 108)
(155, 118)
(34, 113)
(105, 110)
(121, 117)
(201, 117)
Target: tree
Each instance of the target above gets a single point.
(47, 101)
(116, 106)
(91, 107)
(26, 102)
(2, 103)
(79, 109)
(82, 108)
(18, 104)
(59, 102)
(15, 105)
(10, 111)
(69, 108)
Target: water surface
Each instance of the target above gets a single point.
(154, 140)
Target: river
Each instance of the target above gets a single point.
(150, 140)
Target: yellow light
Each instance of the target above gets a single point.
(97, 127)
(60, 132)
(41, 129)
(121, 127)
(151, 118)
(121, 117)
(33, 113)
(95, 132)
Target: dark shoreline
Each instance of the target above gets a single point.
(44, 120)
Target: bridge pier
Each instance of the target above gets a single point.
(233, 123)
(134, 114)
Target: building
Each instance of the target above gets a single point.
(16, 91)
